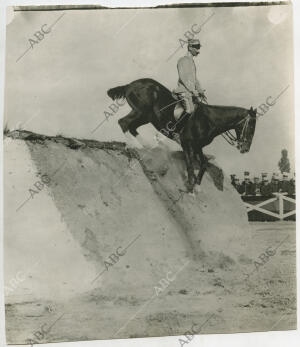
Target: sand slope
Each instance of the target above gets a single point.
(95, 201)
(110, 223)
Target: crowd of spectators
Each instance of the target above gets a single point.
(263, 186)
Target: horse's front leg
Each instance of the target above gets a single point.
(202, 165)
(189, 155)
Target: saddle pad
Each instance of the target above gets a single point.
(178, 111)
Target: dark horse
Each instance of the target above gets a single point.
(153, 103)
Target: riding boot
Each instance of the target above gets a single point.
(180, 125)
(183, 118)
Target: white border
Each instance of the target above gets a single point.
(274, 339)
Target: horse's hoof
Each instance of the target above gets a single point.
(190, 189)
(131, 141)
(128, 147)
(148, 148)
(198, 182)
(198, 188)
(138, 146)
(210, 157)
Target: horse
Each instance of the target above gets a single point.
(153, 103)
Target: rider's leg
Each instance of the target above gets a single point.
(188, 105)
(189, 108)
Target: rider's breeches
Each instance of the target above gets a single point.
(187, 102)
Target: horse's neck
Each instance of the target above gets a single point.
(226, 118)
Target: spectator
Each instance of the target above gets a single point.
(284, 184)
(265, 189)
(247, 184)
(264, 176)
(292, 187)
(256, 186)
(263, 186)
(275, 186)
(239, 187)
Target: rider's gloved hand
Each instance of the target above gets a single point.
(202, 96)
(204, 99)
(199, 98)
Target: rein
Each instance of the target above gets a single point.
(232, 139)
(229, 137)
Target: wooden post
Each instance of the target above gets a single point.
(281, 210)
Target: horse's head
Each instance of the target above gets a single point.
(245, 131)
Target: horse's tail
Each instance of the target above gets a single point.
(117, 92)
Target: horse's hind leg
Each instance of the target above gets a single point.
(129, 125)
(125, 123)
(141, 119)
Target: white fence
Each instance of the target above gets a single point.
(280, 197)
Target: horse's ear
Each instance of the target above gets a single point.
(252, 112)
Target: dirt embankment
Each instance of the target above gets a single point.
(107, 223)
(107, 194)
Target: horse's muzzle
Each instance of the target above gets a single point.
(244, 150)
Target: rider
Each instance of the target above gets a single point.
(188, 84)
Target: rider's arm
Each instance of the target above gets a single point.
(198, 87)
(186, 74)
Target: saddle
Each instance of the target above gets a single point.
(179, 109)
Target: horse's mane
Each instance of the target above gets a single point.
(227, 108)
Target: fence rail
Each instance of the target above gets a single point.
(280, 207)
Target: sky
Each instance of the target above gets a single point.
(59, 86)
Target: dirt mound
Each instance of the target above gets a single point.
(106, 240)
(106, 208)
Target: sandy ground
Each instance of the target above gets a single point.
(266, 301)
(183, 259)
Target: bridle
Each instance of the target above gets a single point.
(232, 139)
